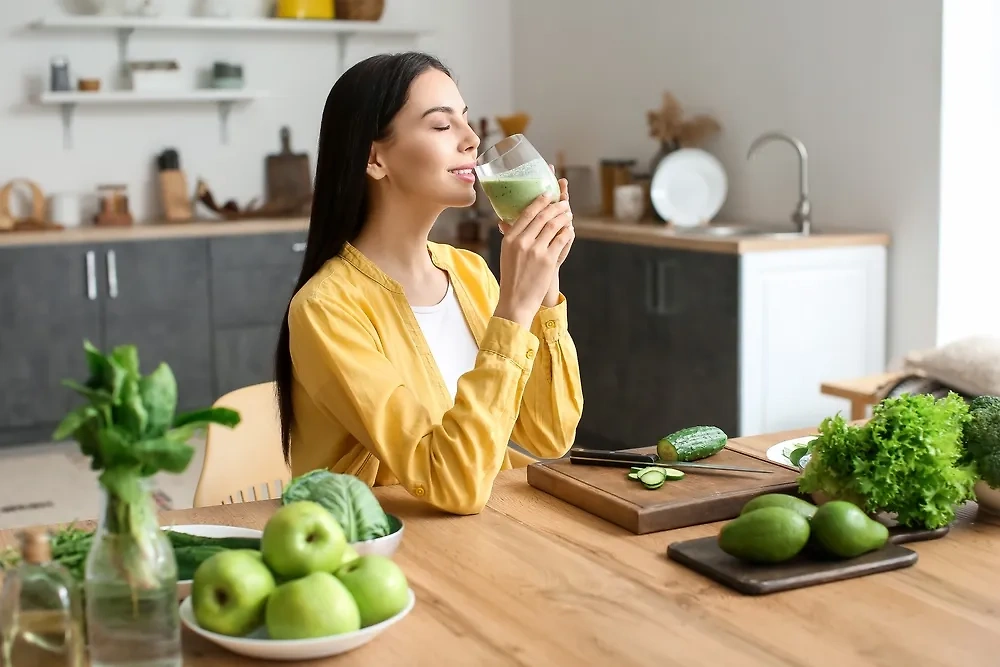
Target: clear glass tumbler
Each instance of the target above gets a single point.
(513, 174)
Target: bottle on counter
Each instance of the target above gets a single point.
(41, 614)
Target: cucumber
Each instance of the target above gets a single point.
(691, 444)
(673, 473)
(633, 475)
(653, 477)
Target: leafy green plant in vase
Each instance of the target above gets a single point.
(982, 442)
(130, 430)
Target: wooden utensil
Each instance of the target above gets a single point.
(289, 178)
(696, 499)
(705, 557)
(36, 220)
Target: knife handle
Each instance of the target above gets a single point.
(602, 462)
(604, 454)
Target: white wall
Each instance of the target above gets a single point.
(858, 81)
(970, 142)
(118, 144)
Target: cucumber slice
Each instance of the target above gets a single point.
(653, 476)
(633, 475)
(653, 486)
(673, 473)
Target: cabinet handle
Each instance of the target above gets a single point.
(112, 274)
(91, 275)
(663, 268)
(298, 247)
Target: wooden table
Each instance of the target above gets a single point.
(534, 581)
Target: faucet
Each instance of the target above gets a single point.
(802, 215)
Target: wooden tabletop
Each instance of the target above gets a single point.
(534, 581)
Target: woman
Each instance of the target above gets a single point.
(402, 360)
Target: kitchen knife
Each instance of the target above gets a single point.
(628, 460)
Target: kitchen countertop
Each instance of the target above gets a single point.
(535, 581)
(587, 228)
(658, 235)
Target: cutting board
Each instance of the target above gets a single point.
(705, 557)
(289, 176)
(700, 497)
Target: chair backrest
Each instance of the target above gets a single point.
(245, 457)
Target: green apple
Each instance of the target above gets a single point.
(230, 590)
(378, 586)
(316, 605)
(349, 555)
(302, 538)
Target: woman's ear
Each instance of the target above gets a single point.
(375, 168)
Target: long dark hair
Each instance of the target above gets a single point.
(358, 112)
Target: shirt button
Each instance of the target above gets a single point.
(551, 324)
(530, 354)
(418, 491)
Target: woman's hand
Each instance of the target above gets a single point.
(533, 247)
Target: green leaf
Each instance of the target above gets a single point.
(72, 422)
(116, 448)
(126, 357)
(158, 391)
(105, 373)
(98, 397)
(223, 416)
(131, 413)
(165, 454)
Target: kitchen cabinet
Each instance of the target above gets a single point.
(47, 308)
(672, 337)
(209, 307)
(156, 298)
(252, 280)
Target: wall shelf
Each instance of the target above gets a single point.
(224, 99)
(125, 26)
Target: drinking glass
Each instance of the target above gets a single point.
(513, 174)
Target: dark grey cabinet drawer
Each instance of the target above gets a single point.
(253, 278)
(259, 250)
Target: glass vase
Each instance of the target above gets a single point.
(130, 585)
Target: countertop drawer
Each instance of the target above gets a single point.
(258, 250)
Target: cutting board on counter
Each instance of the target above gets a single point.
(705, 557)
(702, 496)
(289, 175)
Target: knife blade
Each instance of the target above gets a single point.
(629, 460)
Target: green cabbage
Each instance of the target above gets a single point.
(908, 459)
(350, 500)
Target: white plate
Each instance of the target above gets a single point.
(779, 452)
(258, 646)
(689, 187)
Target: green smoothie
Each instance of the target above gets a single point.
(510, 196)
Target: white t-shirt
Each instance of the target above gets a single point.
(449, 337)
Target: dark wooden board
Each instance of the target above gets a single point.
(705, 557)
(899, 535)
(701, 497)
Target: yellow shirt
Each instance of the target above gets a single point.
(369, 400)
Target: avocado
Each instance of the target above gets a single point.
(765, 535)
(803, 507)
(843, 529)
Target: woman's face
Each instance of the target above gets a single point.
(431, 151)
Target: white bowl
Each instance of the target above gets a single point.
(385, 545)
(988, 499)
(258, 646)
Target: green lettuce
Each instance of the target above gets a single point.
(907, 459)
(350, 500)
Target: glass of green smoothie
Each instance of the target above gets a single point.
(513, 174)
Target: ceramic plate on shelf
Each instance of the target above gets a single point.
(780, 452)
(258, 645)
(689, 187)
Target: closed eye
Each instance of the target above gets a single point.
(443, 129)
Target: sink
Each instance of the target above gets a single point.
(735, 230)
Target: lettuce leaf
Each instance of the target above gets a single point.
(906, 460)
(350, 500)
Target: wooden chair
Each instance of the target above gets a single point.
(244, 463)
